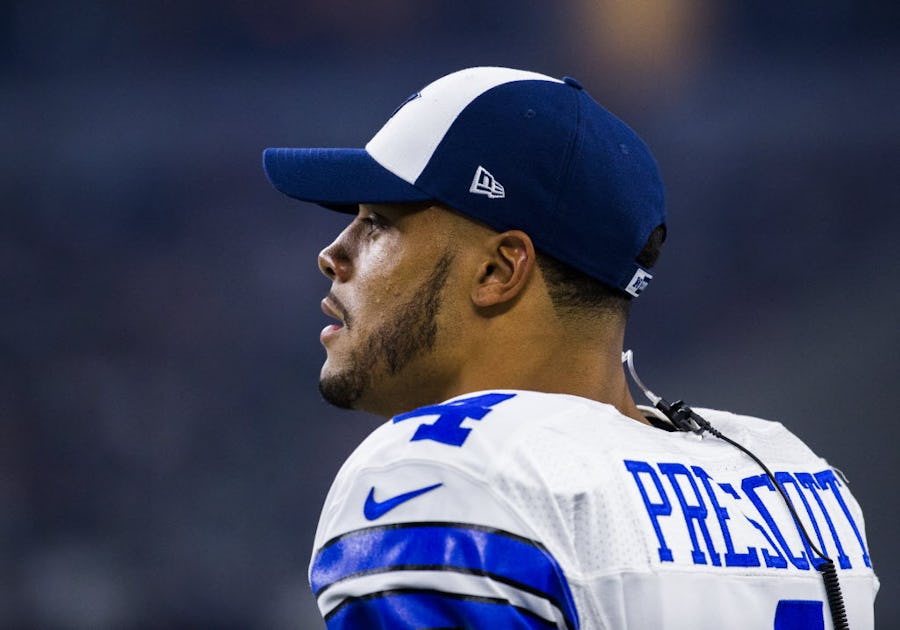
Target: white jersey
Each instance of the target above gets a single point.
(514, 509)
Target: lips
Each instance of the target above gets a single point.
(332, 310)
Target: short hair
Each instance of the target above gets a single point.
(571, 289)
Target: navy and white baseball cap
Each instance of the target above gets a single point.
(512, 149)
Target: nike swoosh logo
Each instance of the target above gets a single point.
(373, 509)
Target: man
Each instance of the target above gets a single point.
(504, 221)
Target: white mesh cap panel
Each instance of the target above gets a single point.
(405, 144)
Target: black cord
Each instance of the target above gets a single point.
(685, 419)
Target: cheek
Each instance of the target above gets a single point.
(375, 294)
(386, 297)
(385, 282)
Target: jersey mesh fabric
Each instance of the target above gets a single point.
(551, 468)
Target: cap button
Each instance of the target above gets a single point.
(573, 82)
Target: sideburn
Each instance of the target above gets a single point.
(415, 330)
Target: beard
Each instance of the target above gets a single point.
(408, 334)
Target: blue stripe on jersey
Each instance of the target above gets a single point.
(410, 608)
(465, 548)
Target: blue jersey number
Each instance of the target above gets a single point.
(446, 429)
(799, 614)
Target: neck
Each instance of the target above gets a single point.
(562, 359)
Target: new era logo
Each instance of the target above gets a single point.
(484, 184)
(639, 282)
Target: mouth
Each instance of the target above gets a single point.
(331, 307)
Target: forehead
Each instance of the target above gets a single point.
(421, 218)
(396, 210)
(430, 216)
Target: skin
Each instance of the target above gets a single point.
(434, 305)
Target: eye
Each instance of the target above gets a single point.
(372, 222)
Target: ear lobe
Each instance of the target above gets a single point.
(506, 270)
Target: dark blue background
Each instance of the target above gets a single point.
(163, 449)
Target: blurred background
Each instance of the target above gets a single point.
(163, 449)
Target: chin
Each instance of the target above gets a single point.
(343, 388)
(334, 395)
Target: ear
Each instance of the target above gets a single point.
(508, 264)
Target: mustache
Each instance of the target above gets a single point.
(342, 308)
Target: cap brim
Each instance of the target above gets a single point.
(336, 178)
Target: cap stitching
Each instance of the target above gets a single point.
(566, 173)
(565, 177)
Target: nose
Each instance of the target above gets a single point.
(334, 261)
